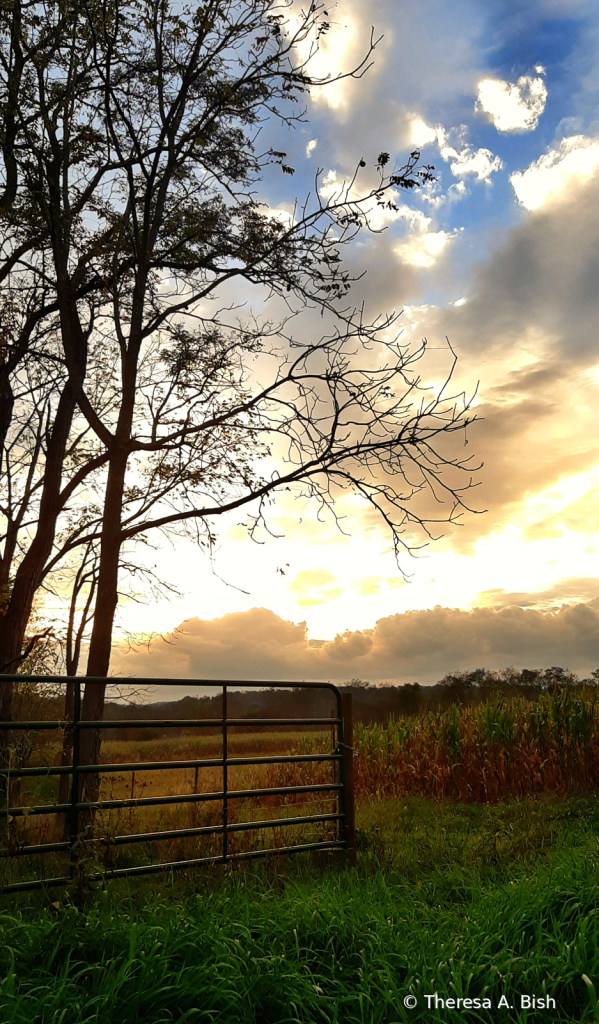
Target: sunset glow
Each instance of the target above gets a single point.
(500, 256)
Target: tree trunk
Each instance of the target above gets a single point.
(7, 402)
(29, 575)
(101, 639)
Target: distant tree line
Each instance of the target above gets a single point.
(371, 703)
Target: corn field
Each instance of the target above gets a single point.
(500, 750)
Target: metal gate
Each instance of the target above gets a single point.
(341, 754)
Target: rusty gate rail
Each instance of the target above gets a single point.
(342, 755)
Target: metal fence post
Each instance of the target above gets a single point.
(74, 823)
(348, 777)
(225, 779)
(336, 774)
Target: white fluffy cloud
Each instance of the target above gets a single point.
(462, 159)
(479, 162)
(554, 174)
(512, 107)
(330, 186)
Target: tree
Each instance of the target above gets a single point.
(59, 158)
(131, 167)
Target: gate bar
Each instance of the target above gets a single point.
(168, 723)
(176, 833)
(155, 766)
(181, 798)
(147, 869)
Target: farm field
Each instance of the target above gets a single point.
(118, 785)
(477, 877)
(462, 900)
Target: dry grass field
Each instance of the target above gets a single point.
(141, 784)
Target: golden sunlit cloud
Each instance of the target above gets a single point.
(315, 586)
(368, 585)
(571, 501)
(420, 133)
(575, 590)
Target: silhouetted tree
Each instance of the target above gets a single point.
(131, 164)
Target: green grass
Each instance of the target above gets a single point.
(459, 900)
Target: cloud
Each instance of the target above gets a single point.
(333, 53)
(329, 185)
(512, 107)
(421, 645)
(424, 53)
(377, 211)
(535, 303)
(380, 216)
(539, 455)
(578, 589)
(311, 146)
(423, 250)
(457, 191)
(431, 193)
(284, 213)
(421, 247)
(557, 173)
(368, 586)
(315, 586)
(416, 219)
(528, 333)
(421, 134)
(462, 160)
(479, 162)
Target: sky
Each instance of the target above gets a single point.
(500, 255)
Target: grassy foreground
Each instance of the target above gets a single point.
(469, 901)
